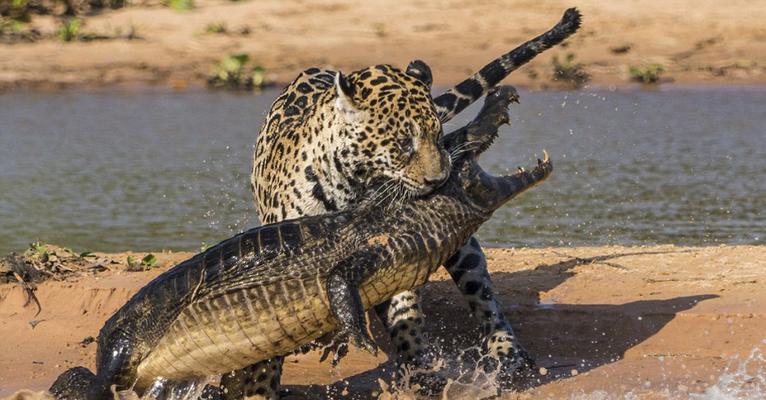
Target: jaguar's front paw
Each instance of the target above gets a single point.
(516, 368)
(428, 383)
(421, 370)
(508, 360)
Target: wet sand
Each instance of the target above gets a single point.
(698, 42)
(651, 322)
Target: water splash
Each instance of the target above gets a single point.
(744, 379)
(466, 376)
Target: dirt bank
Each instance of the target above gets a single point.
(698, 42)
(605, 321)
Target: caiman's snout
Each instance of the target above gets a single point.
(491, 192)
(484, 190)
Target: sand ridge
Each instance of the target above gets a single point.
(641, 320)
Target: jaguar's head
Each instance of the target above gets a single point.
(394, 135)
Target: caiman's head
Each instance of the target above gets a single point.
(485, 191)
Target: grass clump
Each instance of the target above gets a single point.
(235, 72)
(569, 71)
(149, 261)
(180, 5)
(647, 74)
(9, 26)
(15, 10)
(216, 27)
(380, 29)
(69, 30)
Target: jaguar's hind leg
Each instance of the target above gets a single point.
(259, 381)
(403, 319)
(468, 268)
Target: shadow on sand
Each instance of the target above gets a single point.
(562, 337)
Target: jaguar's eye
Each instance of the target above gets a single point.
(405, 144)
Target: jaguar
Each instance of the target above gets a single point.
(330, 137)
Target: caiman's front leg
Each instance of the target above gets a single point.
(468, 268)
(346, 304)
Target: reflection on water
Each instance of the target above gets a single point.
(156, 170)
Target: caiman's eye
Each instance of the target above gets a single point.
(405, 144)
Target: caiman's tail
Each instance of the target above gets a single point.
(461, 96)
(77, 383)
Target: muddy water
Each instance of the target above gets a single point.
(150, 170)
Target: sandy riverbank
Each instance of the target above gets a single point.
(654, 322)
(698, 42)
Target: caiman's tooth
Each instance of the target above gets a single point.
(521, 169)
(546, 158)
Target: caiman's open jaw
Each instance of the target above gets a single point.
(490, 192)
(486, 191)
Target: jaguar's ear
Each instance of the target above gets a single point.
(419, 70)
(345, 91)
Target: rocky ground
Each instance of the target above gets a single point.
(605, 322)
(695, 42)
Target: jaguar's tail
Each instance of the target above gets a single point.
(461, 96)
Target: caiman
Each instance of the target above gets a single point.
(272, 289)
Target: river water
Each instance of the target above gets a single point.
(149, 170)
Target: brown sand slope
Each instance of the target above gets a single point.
(697, 41)
(641, 320)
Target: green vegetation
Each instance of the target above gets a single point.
(37, 249)
(569, 71)
(86, 254)
(235, 73)
(15, 10)
(180, 5)
(647, 74)
(149, 261)
(69, 30)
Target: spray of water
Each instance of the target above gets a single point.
(742, 379)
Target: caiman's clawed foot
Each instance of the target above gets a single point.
(339, 345)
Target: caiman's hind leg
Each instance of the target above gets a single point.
(76, 384)
(468, 269)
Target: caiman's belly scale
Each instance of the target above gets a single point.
(246, 326)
